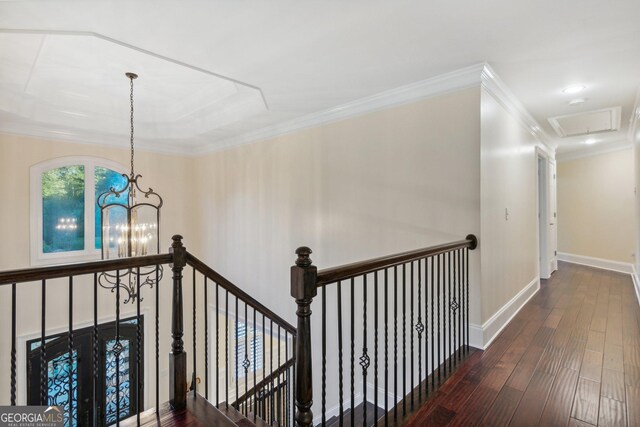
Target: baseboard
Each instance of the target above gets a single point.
(636, 284)
(621, 267)
(482, 336)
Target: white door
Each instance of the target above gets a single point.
(553, 218)
(543, 218)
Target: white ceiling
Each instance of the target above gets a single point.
(213, 71)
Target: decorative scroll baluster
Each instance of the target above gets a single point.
(246, 364)
(449, 310)
(411, 334)
(419, 330)
(364, 359)
(178, 357)
(375, 346)
(303, 289)
(236, 351)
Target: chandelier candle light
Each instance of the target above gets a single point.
(129, 221)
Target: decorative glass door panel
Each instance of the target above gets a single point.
(77, 375)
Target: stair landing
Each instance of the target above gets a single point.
(199, 413)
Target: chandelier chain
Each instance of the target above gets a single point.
(131, 98)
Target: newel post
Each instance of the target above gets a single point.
(177, 357)
(303, 289)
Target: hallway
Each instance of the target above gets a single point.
(570, 357)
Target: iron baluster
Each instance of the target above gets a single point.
(70, 350)
(404, 339)
(438, 277)
(94, 338)
(157, 319)
(117, 348)
(193, 313)
(340, 357)
(353, 380)
(395, 340)
(138, 348)
(206, 339)
(43, 349)
(386, 347)
(419, 330)
(13, 344)
(226, 347)
(324, 355)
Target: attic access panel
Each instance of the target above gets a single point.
(605, 120)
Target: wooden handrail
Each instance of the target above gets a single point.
(66, 270)
(233, 289)
(347, 271)
(286, 365)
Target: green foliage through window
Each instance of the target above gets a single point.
(63, 209)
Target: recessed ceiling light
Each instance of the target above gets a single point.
(574, 89)
(590, 141)
(577, 101)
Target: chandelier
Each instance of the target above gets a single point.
(130, 227)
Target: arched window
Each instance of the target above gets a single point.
(65, 218)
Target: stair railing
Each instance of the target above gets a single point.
(420, 303)
(253, 346)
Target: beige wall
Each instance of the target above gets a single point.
(509, 174)
(390, 181)
(596, 206)
(170, 176)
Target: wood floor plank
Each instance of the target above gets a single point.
(613, 358)
(529, 411)
(633, 405)
(586, 402)
(612, 413)
(503, 407)
(613, 385)
(558, 407)
(591, 365)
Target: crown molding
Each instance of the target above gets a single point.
(97, 141)
(503, 95)
(445, 83)
(593, 151)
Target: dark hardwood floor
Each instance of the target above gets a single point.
(571, 357)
